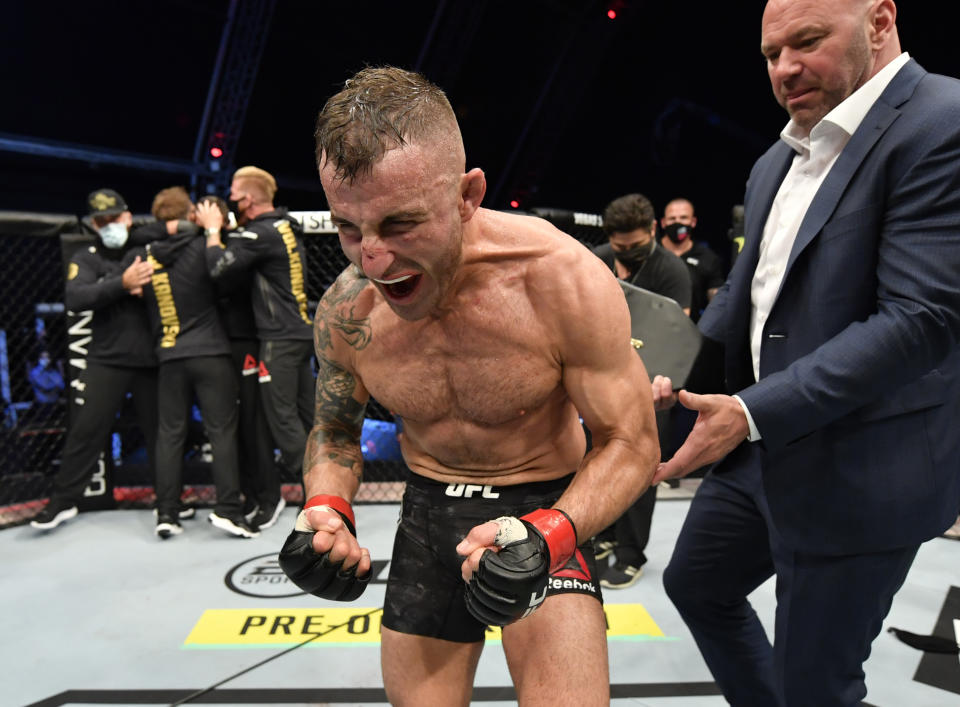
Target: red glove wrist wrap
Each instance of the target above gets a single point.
(558, 531)
(336, 503)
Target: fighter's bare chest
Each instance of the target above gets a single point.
(476, 367)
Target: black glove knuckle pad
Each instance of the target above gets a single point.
(315, 574)
(505, 585)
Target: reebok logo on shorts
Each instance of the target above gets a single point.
(575, 576)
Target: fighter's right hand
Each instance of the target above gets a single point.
(664, 396)
(322, 556)
(137, 274)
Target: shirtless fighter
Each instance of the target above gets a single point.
(487, 333)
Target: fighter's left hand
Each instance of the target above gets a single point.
(480, 538)
(510, 582)
(721, 425)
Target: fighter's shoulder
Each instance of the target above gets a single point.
(540, 242)
(350, 291)
(562, 274)
(572, 267)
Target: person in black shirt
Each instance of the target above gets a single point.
(194, 356)
(120, 359)
(269, 243)
(635, 257)
(632, 252)
(259, 475)
(679, 223)
(706, 271)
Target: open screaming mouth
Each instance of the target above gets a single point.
(400, 287)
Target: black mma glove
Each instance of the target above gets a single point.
(316, 573)
(511, 583)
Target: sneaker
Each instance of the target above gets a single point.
(53, 514)
(250, 509)
(264, 518)
(953, 532)
(185, 512)
(603, 548)
(620, 576)
(167, 525)
(235, 525)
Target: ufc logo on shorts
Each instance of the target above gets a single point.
(468, 491)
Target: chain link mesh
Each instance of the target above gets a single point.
(33, 319)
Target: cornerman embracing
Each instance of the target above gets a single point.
(269, 243)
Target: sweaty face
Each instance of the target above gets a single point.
(817, 54)
(401, 226)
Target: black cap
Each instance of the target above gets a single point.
(106, 202)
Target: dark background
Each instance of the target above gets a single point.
(559, 105)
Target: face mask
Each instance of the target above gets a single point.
(234, 206)
(635, 255)
(678, 232)
(114, 235)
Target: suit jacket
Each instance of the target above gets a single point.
(858, 401)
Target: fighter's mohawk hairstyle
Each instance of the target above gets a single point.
(379, 109)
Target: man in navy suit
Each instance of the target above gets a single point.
(838, 452)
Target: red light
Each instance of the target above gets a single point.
(216, 152)
(515, 204)
(612, 14)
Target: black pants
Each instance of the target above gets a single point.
(97, 397)
(287, 389)
(829, 607)
(259, 476)
(213, 381)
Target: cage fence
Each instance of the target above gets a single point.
(41, 344)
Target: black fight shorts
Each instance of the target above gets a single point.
(425, 591)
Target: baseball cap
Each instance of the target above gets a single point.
(106, 202)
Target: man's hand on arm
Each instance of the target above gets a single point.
(720, 427)
(137, 274)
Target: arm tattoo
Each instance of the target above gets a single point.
(338, 418)
(351, 329)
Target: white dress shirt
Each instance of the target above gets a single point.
(815, 156)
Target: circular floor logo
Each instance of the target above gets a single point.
(261, 577)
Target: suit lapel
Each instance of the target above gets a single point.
(880, 117)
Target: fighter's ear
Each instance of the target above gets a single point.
(473, 185)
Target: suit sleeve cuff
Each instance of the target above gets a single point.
(754, 435)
